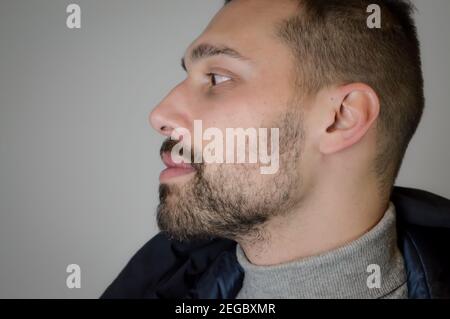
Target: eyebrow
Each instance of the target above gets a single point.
(208, 50)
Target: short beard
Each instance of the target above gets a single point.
(234, 201)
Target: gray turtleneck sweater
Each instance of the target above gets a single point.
(340, 273)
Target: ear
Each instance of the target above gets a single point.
(355, 109)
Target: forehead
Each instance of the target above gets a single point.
(248, 26)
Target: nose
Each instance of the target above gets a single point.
(170, 113)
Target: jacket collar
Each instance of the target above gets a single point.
(423, 235)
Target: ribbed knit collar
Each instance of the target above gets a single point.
(340, 273)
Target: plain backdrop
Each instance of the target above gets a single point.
(79, 162)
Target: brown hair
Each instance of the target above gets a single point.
(334, 45)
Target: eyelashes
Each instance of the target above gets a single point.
(216, 79)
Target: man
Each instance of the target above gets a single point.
(328, 224)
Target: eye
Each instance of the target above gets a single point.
(216, 79)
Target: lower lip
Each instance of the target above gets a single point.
(172, 172)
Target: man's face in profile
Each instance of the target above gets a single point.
(239, 75)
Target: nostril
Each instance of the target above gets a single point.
(164, 128)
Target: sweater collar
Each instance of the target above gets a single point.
(341, 273)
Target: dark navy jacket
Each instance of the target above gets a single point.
(208, 269)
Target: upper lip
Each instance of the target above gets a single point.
(167, 160)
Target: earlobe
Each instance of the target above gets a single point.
(353, 117)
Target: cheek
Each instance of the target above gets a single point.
(232, 178)
(239, 113)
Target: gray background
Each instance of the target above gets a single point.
(79, 163)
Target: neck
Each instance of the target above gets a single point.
(332, 216)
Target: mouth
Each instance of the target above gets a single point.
(173, 169)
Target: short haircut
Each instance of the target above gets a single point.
(334, 45)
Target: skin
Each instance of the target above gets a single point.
(333, 193)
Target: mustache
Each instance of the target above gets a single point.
(169, 144)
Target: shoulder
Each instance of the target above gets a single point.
(420, 207)
(424, 238)
(162, 266)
